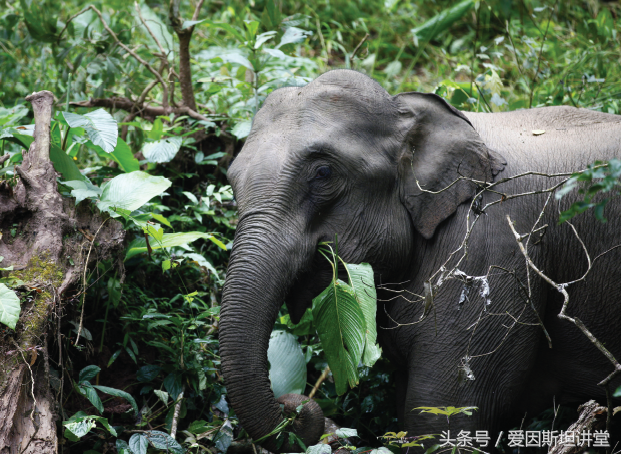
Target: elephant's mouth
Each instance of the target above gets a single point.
(308, 285)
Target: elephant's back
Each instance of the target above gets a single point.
(552, 139)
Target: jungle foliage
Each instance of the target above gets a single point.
(154, 99)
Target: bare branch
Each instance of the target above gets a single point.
(157, 41)
(562, 289)
(124, 47)
(145, 112)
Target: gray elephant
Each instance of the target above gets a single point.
(394, 177)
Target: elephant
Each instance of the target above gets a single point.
(401, 180)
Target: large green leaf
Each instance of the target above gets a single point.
(287, 364)
(168, 240)
(118, 393)
(162, 150)
(100, 126)
(341, 327)
(64, 165)
(130, 191)
(442, 21)
(9, 307)
(361, 280)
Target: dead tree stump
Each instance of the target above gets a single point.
(41, 237)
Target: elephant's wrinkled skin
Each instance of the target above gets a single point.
(339, 156)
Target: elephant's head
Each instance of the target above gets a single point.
(338, 156)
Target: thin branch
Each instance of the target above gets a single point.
(517, 61)
(175, 420)
(197, 10)
(124, 47)
(145, 112)
(561, 288)
(532, 88)
(84, 282)
(353, 54)
(321, 379)
(157, 41)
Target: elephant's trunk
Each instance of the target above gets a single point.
(263, 264)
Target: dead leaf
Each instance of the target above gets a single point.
(538, 132)
(33, 357)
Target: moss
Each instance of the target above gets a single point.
(41, 270)
(40, 273)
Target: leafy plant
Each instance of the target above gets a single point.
(598, 178)
(344, 314)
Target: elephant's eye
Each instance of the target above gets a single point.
(323, 172)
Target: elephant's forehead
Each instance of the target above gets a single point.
(323, 103)
(298, 116)
(294, 121)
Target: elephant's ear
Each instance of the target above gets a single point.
(439, 146)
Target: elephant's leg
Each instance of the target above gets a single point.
(401, 385)
(497, 389)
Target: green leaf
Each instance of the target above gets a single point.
(344, 432)
(122, 447)
(441, 22)
(114, 356)
(83, 189)
(86, 389)
(321, 448)
(221, 25)
(199, 427)
(114, 291)
(164, 442)
(64, 165)
(124, 157)
(172, 383)
(9, 307)
(118, 393)
(148, 372)
(341, 327)
(169, 240)
(162, 150)
(100, 127)
(242, 129)
(104, 422)
(287, 364)
(138, 443)
(157, 130)
(88, 373)
(294, 35)
(162, 395)
(130, 191)
(77, 429)
(361, 280)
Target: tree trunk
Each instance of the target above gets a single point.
(39, 238)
